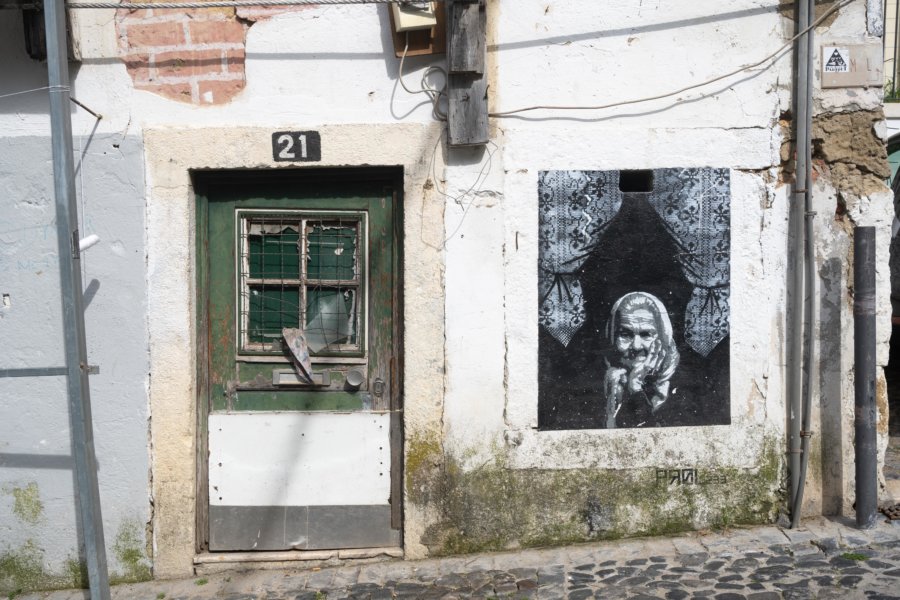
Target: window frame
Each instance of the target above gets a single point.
(247, 350)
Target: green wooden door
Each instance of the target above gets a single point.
(299, 458)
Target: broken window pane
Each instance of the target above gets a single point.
(331, 250)
(301, 270)
(330, 318)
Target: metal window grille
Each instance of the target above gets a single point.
(301, 270)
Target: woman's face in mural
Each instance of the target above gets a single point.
(636, 335)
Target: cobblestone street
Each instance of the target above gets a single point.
(823, 559)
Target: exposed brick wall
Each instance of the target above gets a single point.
(190, 55)
(194, 56)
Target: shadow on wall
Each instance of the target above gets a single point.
(19, 72)
(830, 382)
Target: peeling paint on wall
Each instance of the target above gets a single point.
(197, 58)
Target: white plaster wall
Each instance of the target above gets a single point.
(599, 54)
(34, 422)
(332, 63)
(470, 217)
(562, 54)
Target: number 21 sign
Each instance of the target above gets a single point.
(296, 146)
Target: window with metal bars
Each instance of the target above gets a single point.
(305, 270)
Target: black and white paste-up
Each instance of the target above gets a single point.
(604, 250)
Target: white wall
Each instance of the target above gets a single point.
(471, 225)
(35, 451)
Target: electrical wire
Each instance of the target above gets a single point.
(773, 55)
(433, 93)
(482, 177)
(55, 88)
(479, 181)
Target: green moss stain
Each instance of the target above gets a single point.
(495, 507)
(76, 571)
(22, 568)
(128, 549)
(27, 505)
(423, 460)
(854, 556)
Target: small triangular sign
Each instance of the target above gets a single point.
(836, 60)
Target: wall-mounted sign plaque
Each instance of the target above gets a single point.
(296, 146)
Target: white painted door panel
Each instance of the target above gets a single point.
(299, 459)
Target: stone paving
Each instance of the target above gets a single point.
(826, 558)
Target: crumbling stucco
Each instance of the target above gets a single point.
(851, 151)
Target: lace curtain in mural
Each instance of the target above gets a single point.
(694, 206)
(575, 207)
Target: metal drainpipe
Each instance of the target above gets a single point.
(866, 441)
(71, 291)
(803, 270)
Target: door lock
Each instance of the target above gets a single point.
(378, 387)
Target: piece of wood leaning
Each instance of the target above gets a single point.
(467, 121)
(467, 25)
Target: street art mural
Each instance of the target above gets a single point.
(633, 283)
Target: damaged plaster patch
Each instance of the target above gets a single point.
(196, 58)
(821, 6)
(853, 154)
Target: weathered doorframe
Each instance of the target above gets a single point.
(392, 178)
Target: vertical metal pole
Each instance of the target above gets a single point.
(73, 301)
(797, 222)
(810, 274)
(864, 371)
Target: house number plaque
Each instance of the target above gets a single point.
(296, 146)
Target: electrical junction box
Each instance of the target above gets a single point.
(852, 65)
(412, 16)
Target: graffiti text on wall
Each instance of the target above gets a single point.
(669, 477)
